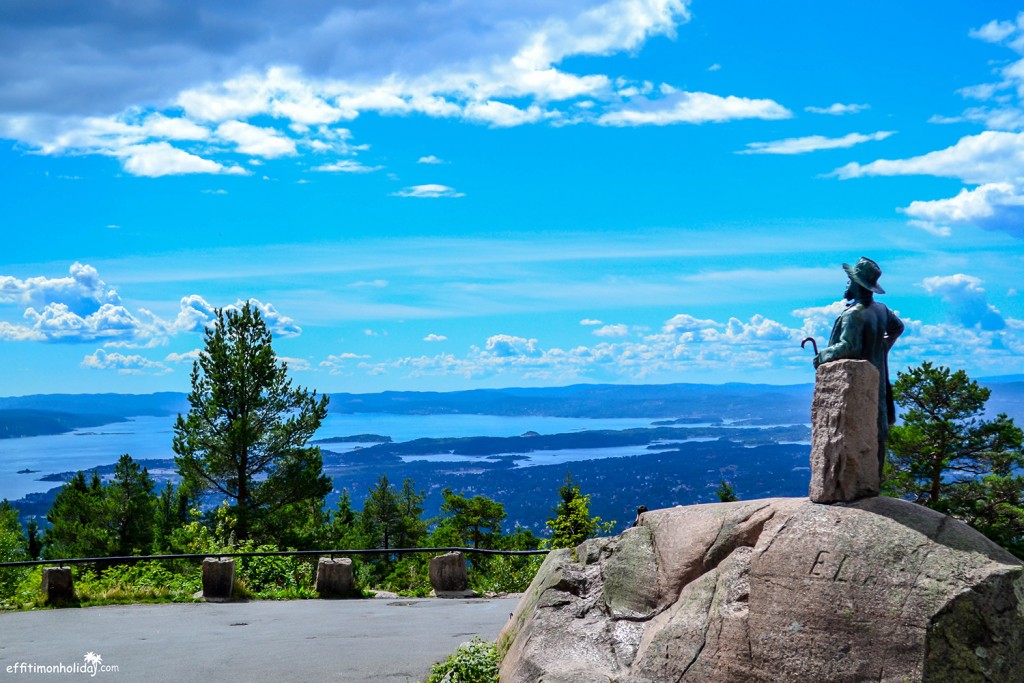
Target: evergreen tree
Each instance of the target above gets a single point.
(133, 505)
(725, 492)
(572, 523)
(245, 436)
(34, 542)
(81, 520)
(342, 530)
(412, 528)
(947, 456)
(381, 516)
(476, 520)
(12, 549)
(171, 513)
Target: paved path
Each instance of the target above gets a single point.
(298, 640)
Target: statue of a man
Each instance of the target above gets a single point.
(866, 330)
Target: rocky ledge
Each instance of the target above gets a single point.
(774, 590)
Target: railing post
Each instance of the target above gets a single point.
(334, 578)
(448, 576)
(58, 585)
(218, 578)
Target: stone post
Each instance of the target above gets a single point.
(218, 578)
(844, 432)
(58, 585)
(448, 575)
(334, 577)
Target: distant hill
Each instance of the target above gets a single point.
(119, 405)
(709, 402)
(18, 423)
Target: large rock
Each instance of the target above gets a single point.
(334, 577)
(218, 579)
(58, 585)
(774, 590)
(448, 574)
(844, 432)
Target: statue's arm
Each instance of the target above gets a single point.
(893, 329)
(849, 342)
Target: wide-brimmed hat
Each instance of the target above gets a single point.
(865, 273)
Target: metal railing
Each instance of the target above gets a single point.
(128, 559)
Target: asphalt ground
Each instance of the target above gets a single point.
(296, 640)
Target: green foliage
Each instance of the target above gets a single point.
(392, 518)
(946, 456)
(150, 581)
(133, 506)
(12, 549)
(473, 662)
(506, 574)
(246, 433)
(725, 492)
(80, 520)
(275, 577)
(572, 523)
(343, 529)
(89, 519)
(475, 520)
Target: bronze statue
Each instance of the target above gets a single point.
(866, 330)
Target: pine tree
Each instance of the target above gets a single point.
(476, 520)
(947, 456)
(133, 505)
(572, 523)
(245, 436)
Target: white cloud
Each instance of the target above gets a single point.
(187, 357)
(715, 67)
(160, 158)
(590, 321)
(253, 140)
(994, 31)
(125, 365)
(430, 159)
(435, 338)
(296, 364)
(966, 301)
(838, 109)
(298, 74)
(994, 206)
(693, 107)
(429, 191)
(812, 143)
(347, 166)
(988, 157)
(619, 330)
(81, 291)
(378, 283)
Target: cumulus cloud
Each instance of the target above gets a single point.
(590, 321)
(83, 308)
(125, 365)
(272, 83)
(347, 166)
(337, 364)
(988, 157)
(81, 291)
(253, 140)
(619, 330)
(838, 109)
(812, 143)
(994, 206)
(430, 159)
(693, 107)
(966, 301)
(435, 338)
(160, 158)
(429, 191)
(187, 357)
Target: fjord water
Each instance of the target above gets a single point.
(149, 437)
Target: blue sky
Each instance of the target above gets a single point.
(438, 196)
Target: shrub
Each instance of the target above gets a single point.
(472, 662)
